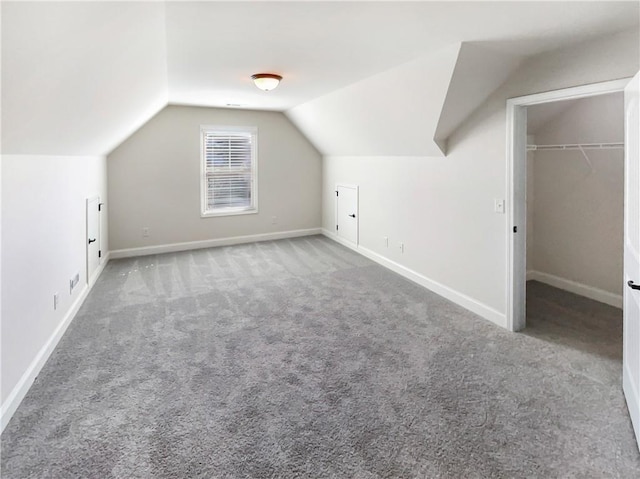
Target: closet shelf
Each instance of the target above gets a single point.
(577, 146)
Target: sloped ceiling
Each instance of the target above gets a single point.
(393, 113)
(540, 115)
(480, 70)
(594, 128)
(320, 47)
(79, 77)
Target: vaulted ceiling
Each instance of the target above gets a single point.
(79, 77)
(540, 117)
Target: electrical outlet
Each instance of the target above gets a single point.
(274, 220)
(56, 300)
(401, 247)
(73, 282)
(385, 241)
(145, 232)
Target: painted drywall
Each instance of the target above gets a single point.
(578, 205)
(393, 113)
(442, 209)
(480, 69)
(43, 247)
(530, 203)
(79, 77)
(62, 61)
(154, 180)
(320, 47)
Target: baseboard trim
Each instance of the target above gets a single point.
(633, 400)
(99, 269)
(191, 245)
(21, 389)
(577, 288)
(440, 289)
(340, 240)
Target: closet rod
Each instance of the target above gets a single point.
(576, 146)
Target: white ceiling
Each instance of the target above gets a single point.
(361, 120)
(319, 47)
(79, 77)
(478, 72)
(540, 116)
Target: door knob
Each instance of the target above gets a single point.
(632, 285)
(91, 240)
(353, 216)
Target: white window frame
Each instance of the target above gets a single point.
(253, 208)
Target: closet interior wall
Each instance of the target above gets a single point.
(575, 202)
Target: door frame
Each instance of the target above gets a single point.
(630, 378)
(357, 188)
(516, 178)
(86, 236)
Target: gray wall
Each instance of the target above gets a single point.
(154, 180)
(577, 218)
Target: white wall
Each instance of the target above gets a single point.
(43, 246)
(154, 180)
(79, 77)
(442, 208)
(577, 207)
(392, 113)
(531, 192)
(479, 71)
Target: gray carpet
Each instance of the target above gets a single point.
(301, 359)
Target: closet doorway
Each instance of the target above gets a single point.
(575, 197)
(517, 152)
(568, 192)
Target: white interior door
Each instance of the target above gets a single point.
(93, 236)
(631, 333)
(347, 213)
(519, 221)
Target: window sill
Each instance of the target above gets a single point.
(229, 212)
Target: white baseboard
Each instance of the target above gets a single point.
(576, 288)
(20, 390)
(174, 247)
(338, 239)
(632, 397)
(461, 299)
(96, 274)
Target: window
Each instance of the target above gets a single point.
(229, 170)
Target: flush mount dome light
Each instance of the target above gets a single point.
(266, 81)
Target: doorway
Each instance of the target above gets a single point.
(94, 253)
(574, 192)
(517, 187)
(347, 215)
(517, 231)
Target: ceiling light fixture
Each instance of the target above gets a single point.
(266, 81)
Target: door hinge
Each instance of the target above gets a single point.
(515, 229)
(100, 206)
(99, 254)
(337, 194)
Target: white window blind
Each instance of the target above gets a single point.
(229, 170)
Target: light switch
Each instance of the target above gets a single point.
(498, 206)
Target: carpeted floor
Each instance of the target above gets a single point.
(301, 359)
